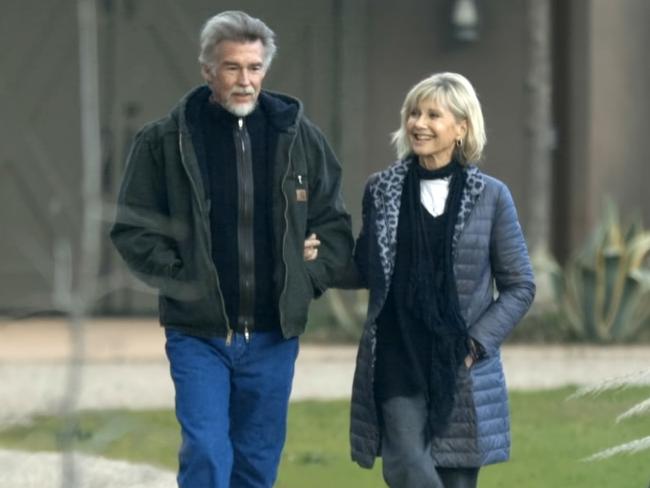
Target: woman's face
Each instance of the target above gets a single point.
(432, 131)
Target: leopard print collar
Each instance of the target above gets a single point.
(387, 192)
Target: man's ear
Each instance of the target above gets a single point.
(206, 72)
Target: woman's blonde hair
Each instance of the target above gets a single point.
(456, 94)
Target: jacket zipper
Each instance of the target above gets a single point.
(206, 227)
(284, 233)
(245, 232)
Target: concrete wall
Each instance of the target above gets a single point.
(39, 148)
(602, 101)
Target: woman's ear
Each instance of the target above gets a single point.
(462, 129)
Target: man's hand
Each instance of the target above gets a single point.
(310, 252)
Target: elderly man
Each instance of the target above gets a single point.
(215, 205)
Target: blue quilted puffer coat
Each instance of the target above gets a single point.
(495, 289)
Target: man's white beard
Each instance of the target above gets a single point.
(240, 109)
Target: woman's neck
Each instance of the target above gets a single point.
(432, 163)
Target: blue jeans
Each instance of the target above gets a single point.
(231, 404)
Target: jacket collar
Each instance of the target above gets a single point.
(283, 111)
(474, 185)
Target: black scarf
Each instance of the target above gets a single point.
(425, 291)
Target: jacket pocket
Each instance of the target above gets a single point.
(297, 194)
(302, 188)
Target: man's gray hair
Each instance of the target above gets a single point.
(234, 25)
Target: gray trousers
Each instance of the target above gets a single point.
(406, 453)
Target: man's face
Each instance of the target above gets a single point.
(236, 76)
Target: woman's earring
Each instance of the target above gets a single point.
(459, 142)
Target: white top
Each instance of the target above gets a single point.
(433, 195)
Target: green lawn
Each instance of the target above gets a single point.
(550, 437)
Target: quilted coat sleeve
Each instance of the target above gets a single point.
(513, 277)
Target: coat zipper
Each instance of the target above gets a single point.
(286, 219)
(246, 241)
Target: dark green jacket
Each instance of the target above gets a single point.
(162, 227)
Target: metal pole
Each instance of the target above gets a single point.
(84, 294)
(540, 129)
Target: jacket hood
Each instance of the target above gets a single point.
(282, 110)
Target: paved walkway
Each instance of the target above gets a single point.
(124, 366)
(44, 470)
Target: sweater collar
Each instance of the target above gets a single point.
(216, 113)
(282, 111)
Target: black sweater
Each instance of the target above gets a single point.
(217, 128)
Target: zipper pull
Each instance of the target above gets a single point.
(229, 337)
(240, 123)
(300, 179)
(247, 335)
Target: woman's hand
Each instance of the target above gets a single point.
(476, 353)
(469, 361)
(310, 252)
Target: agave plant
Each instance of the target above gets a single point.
(605, 292)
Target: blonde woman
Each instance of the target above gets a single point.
(438, 237)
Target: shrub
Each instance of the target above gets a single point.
(605, 290)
